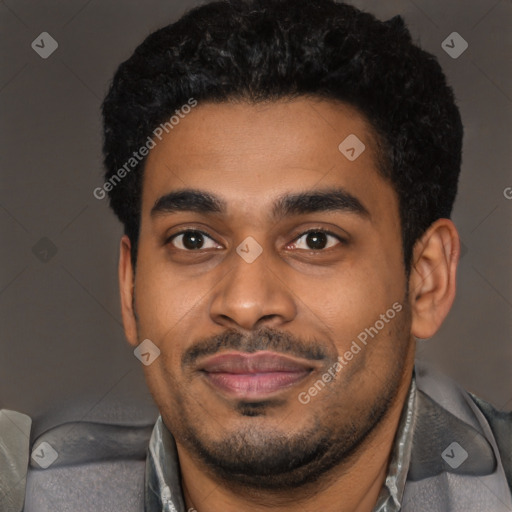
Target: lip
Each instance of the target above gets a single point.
(254, 375)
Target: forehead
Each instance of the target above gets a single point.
(250, 154)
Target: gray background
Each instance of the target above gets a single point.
(63, 353)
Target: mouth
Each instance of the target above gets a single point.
(254, 375)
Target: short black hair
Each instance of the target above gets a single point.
(266, 50)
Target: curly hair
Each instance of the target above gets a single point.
(266, 50)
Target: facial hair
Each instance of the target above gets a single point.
(263, 458)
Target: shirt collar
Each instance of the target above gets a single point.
(390, 497)
(163, 492)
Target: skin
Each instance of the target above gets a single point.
(249, 155)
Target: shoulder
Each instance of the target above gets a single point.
(84, 466)
(500, 423)
(461, 410)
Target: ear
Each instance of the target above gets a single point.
(126, 288)
(432, 280)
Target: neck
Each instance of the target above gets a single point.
(351, 487)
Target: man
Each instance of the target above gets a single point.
(285, 172)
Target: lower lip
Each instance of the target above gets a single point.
(255, 385)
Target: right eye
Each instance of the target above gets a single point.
(190, 240)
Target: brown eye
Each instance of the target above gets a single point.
(317, 240)
(190, 240)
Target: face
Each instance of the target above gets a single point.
(270, 276)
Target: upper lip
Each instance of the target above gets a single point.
(256, 362)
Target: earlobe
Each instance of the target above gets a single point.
(126, 288)
(432, 282)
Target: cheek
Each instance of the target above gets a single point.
(355, 299)
(162, 385)
(164, 300)
(169, 307)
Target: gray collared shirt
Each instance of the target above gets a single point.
(163, 492)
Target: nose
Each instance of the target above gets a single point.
(253, 294)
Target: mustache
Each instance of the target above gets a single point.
(265, 338)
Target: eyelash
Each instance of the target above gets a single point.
(312, 230)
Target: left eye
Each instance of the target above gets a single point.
(317, 240)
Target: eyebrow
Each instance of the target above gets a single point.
(321, 200)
